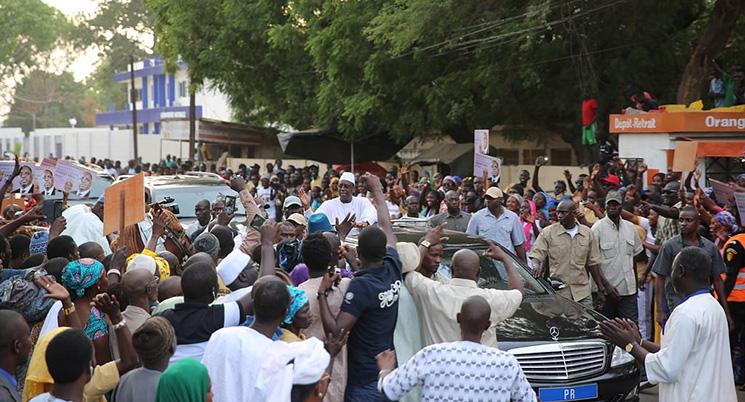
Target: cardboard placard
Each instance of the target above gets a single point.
(124, 204)
(684, 159)
(73, 178)
(44, 177)
(722, 191)
(740, 202)
(6, 170)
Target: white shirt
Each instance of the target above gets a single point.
(573, 231)
(460, 371)
(265, 195)
(361, 207)
(47, 397)
(694, 362)
(439, 304)
(235, 356)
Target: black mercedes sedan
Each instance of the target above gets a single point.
(556, 340)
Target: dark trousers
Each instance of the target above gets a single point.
(625, 307)
(364, 393)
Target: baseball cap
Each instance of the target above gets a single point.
(494, 192)
(612, 179)
(613, 196)
(292, 200)
(298, 219)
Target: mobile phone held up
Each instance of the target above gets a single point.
(230, 204)
(257, 222)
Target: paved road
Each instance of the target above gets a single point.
(650, 395)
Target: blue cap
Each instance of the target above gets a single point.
(319, 222)
(457, 179)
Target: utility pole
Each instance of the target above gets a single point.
(192, 120)
(133, 95)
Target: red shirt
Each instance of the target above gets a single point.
(589, 111)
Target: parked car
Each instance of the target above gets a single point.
(555, 340)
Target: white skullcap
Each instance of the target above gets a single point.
(348, 176)
(142, 261)
(311, 361)
(408, 254)
(232, 265)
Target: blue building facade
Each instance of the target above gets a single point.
(159, 95)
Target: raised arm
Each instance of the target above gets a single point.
(514, 280)
(30, 216)
(536, 168)
(384, 220)
(127, 355)
(268, 235)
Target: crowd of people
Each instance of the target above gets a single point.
(288, 311)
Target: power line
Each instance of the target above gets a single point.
(496, 38)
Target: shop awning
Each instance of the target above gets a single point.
(443, 153)
(721, 149)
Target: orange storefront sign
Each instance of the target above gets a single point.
(678, 122)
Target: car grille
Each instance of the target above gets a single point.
(561, 361)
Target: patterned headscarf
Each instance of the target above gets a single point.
(298, 299)
(81, 274)
(38, 244)
(727, 220)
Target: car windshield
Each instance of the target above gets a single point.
(186, 197)
(493, 274)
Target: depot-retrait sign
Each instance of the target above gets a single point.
(681, 122)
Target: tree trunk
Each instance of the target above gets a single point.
(722, 21)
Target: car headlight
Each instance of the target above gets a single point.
(620, 357)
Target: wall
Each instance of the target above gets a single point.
(652, 147)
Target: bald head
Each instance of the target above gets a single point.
(171, 287)
(92, 250)
(199, 258)
(135, 282)
(15, 343)
(466, 264)
(173, 262)
(474, 316)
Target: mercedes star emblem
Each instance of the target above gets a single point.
(554, 332)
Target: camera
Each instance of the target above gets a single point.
(168, 204)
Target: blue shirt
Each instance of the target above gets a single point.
(505, 230)
(372, 297)
(11, 379)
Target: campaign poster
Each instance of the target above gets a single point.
(24, 182)
(481, 142)
(489, 166)
(73, 178)
(44, 179)
(6, 170)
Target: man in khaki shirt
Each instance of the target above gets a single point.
(619, 244)
(572, 250)
(439, 303)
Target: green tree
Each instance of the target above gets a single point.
(49, 100)
(118, 29)
(417, 67)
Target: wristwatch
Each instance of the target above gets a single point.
(630, 347)
(425, 244)
(320, 294)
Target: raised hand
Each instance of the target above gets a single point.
(109, 305)
(372, 183)
(251, 240)
(495, 252)
(304, 197)
(54, 290)
(58, 226)
(269, 232)
(237, 184)
(345, 226)
(35, 213)
(434, 235)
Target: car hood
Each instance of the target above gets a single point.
(536, 317)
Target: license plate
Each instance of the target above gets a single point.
(577, 393)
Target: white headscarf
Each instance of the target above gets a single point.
(300, 363)
(84, 226)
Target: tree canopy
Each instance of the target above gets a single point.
(417, 67)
